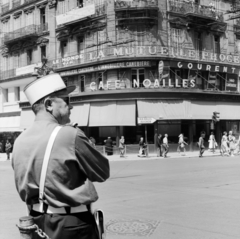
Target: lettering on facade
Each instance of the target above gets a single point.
(136, 51)
(107, 67)
(162, 83)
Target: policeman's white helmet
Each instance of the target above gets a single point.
(46, 85)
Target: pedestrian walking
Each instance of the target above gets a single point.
(122, 146)
(159, 142)
(109, 146)
(181, 144)
(212, 143)
(231, 141)
(142, 148)
(54, 164)
(201, 144)
(8, 148)
(224, 145)
(165, 146)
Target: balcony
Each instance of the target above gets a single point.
(16, 3)
(5, 7)
(206, 14)
(25, 32)
(74, 16)
(135, 4)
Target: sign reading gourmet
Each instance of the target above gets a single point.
(110, 52)
(107, 67)
(206, 67)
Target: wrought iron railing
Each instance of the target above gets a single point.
(5, 7)
(28, 1)
(183, 7)
(119, 4)
(27, 31)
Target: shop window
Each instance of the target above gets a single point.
(139, 76)
(29, 56)
(82, 83)
(42, 16)
(43, 52)
(64, 48)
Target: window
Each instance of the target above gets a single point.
(64, 48)
(82, 83)
(16, 60)
(177, 38)
(5, 95)
(80, 3)
(42, 16)
(43, 52)
(100, 77)
(17, 93)
(80, 44)
(29, 56)
(216, 44)
(139, 76)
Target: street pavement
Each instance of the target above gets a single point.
(180, 197)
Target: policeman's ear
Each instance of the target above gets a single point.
(48, 105)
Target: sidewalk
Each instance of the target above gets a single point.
(128, 157)
(171, 155)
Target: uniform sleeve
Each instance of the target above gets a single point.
(93, 163)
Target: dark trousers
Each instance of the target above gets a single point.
(159, 151)
(66, 226)
(166, 149)
(201, 151)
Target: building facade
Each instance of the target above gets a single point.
(141, 67)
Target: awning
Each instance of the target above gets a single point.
(27, 118)
(164, 109)
(204, 110)
(10, 124)
(113, 113)
(80, 114)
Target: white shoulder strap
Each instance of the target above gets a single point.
(45, 164)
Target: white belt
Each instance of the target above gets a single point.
(60, 210)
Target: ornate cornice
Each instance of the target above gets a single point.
(52, 3)
(29, 10)
(5, 19)
(42, 5)
(16, 47)
(41, 41)
(28, 44)
(17, 14)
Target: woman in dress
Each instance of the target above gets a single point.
(122, 146)
(212, 142)
(224, 144)
(231, 140)
(181, 144)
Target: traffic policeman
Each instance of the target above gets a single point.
(72, 167)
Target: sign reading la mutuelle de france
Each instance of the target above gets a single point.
(138, 51)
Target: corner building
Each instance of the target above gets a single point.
(140, 66)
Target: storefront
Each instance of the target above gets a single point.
(180, 95)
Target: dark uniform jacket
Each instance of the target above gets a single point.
(73, 160)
